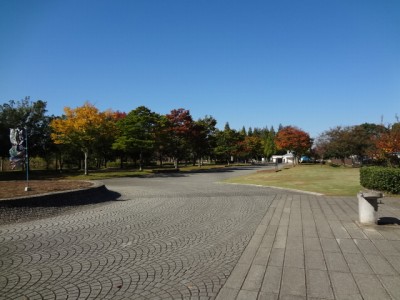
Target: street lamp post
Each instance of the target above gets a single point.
(27, 188)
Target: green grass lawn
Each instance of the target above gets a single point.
(327, 180)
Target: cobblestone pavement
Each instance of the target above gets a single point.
(169, 237)
(189, 237)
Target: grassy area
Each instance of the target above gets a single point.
(327, 180)
(98, 174)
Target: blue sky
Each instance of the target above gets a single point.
(315, 64)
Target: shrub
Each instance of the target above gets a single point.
(381, 179)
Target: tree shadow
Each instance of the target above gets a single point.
(63, 199)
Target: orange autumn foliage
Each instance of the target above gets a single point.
(293, 139)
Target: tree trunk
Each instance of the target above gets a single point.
(86, 162)
(176, 163)
(140, 161)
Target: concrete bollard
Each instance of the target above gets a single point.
(368, 206)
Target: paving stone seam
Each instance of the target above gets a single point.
(237, 289)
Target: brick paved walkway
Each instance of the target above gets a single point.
(186, 237)
(310, 247)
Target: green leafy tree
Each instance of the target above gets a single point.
(269, 146)
(137, 134)
(203, 138)
(227, 143)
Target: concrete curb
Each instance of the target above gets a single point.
(34, 207)
(93, 194)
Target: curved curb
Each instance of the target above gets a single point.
(277, 188)
(93, 194)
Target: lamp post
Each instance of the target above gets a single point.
(27, 188)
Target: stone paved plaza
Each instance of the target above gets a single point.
(191, 237)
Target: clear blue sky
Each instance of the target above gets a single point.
(313, 64)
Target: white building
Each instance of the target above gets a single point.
(286, 159)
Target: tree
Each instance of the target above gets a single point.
(269, 145)
(388, 144)
(227, 143)
(203, 138)
(82, 128)
(137, 133)
(350, 141)
(252, 147)
(293, 139)
(178, 129)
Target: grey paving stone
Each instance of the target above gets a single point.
(319, 285)
(379, 265)
(386, 247)
(295, 230)
(280, 242)
(247, 295)
(267, 241)
(394, 261)
(336, 262)
(276, 257)
(392, 235)
(344, 285)
(282, 229)
(266, 296)
(271, 230)
(262, 256)
(372, 233)
(314, 260)
(254, 278)
(339, 231)
(292, 297)
(236, 279)
(295, 242)
(354, 231)
(370, 287)
(294, 258)
(312, 244)
(272, 280)
(392, 285)
(366, 247)
(357, 263)
(293, 282)
(348, 246)
(310, 231)
(329, 245)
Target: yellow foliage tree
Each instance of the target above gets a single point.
(82, 127)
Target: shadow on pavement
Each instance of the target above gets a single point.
(388, 221)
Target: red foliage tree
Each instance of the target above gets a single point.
(293, 139)
(178, 129)
(388, 144)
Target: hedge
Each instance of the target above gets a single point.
(381, 178)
